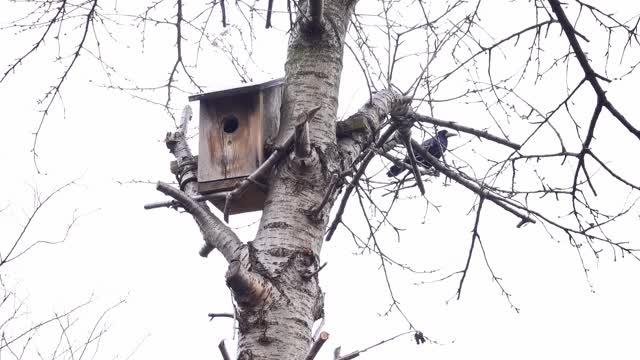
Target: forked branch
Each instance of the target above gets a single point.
(302, 145)
(591, 75)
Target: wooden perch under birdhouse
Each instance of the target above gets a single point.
(235, 125)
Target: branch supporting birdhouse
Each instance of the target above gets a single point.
(356, 177)
(480, 190)
(175, 204)
(314, 212)
(262, 170)
(216, 234)
(402, 165)
(481, 134)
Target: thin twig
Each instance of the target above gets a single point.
(475, 235)
(269, 11)
(215, 315)
(466, 129)
(175, 204)
(314, 212)
(359, 352)
(309, 275)
(223, 351)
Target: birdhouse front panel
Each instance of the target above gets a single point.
(230, 137)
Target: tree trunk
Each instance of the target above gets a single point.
(288, 241)
(274, 279)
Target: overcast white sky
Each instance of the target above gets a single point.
(105, 139)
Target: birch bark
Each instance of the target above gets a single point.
(288, 243)
(274, 278)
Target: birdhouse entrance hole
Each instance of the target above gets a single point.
(230, 123)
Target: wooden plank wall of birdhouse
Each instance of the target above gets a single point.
(224, 154)
(271, 100)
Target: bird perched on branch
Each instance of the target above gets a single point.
(435, 146)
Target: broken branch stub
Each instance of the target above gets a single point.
(302, 145)
(471, 185)
(249, 289)
(317, 345)
(186, 165)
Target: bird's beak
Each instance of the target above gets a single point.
(450, 135)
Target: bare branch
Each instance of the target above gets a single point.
(269, 11)
(474, 235)
(317, 345)
(215, 232)
(357, 353)
(175, 203)
(224, 14)
(466, 129)
(223, 351)
(383, 103)
(215, 315)
(310, 274)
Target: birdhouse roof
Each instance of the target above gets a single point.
(237, 91)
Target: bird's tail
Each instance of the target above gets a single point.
(394, 171)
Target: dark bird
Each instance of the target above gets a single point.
(435, 146)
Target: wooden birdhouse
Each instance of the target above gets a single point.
(234, 126)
